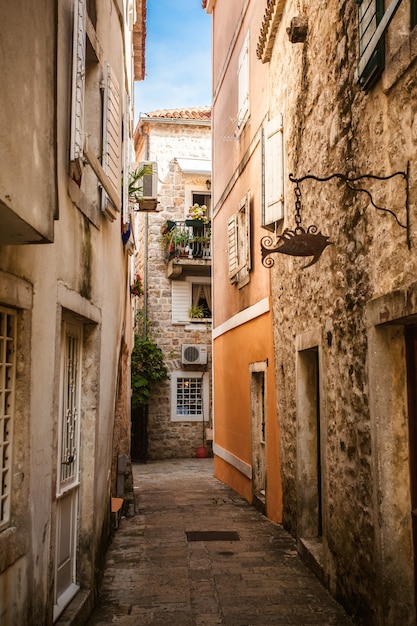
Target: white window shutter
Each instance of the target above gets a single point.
(112, 143)
(181, 301)
(243, 84)
(127, 158)
(233, 247)
(246, 239)
(78, 81)
(274, 172)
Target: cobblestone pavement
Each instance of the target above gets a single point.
(155, 576)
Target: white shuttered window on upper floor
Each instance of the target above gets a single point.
(112, 136)
(78, 80)
(273, 209)
(239, 245)
(181, 301)
(243, 84)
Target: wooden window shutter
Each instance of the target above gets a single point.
(112, 140)
(243, 84)
(127, 158)
(78, 81)
(245, 210)
(371, 13)
(181, 301)
(233, 247)
(274, 173)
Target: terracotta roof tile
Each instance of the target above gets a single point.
(195, 113)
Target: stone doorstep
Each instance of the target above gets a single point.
(311, 551)
(78, 611)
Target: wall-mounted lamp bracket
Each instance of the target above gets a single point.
(310, 242)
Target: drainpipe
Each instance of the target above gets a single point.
(145, 247)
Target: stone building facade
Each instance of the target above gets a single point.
(342, 81)
(65, 312)
(179, 141)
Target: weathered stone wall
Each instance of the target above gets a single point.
(168, 439)
(331, 126)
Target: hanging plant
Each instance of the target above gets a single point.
(147, 369)
(137, 288)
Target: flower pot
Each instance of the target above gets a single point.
(201, 452)
(195, 223)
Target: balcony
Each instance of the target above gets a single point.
(187, 247)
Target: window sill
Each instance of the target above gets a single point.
(400, 61)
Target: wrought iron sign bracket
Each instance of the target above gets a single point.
(310, 242)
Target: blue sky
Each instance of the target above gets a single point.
(177, 57)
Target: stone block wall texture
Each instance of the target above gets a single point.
(168, 439)
(331, 126)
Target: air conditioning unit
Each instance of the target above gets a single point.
(193, 354)
(149, 181)
(147, 186)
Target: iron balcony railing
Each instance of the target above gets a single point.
(187, 239)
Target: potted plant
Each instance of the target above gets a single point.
(196, 312)
(136, 289)
(197, 215)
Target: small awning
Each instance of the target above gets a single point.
(195, 166)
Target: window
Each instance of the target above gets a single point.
(238, 235)
(413, 15)
(112, 139)
(243, 84)
(273, 209)
(7, 393)
(189, 396)
(201, 299)
(370, 15)
(194, 291)
(202, 198)
(94, 88)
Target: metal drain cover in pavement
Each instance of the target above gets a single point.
(212, 535)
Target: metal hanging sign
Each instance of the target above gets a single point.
(310, 242)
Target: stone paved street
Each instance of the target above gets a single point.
(155, 576)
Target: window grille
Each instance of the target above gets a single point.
(189, 396)
(70, 419)
(7, 392)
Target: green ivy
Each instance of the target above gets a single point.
(147, 369)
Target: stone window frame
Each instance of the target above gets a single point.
(373, 64)
(16, 294)
(191, 375)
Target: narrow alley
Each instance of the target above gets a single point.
(159, 571)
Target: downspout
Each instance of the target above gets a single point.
(145, 248)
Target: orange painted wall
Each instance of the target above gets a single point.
(234, 351)
(237, 170)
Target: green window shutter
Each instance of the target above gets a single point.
(413, 16)
(370, 14)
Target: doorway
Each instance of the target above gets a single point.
(258, 410)
(68, 475)
(309, 452)
(411, 355)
